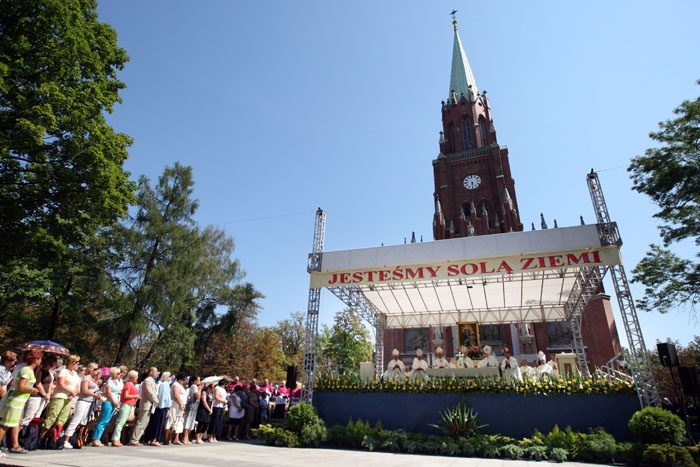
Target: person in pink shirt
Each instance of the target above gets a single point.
(267, 387)
(282, 390)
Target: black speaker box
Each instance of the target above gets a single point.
(667, 354)
(689, 380)
(291, 377)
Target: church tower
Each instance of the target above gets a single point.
(474, 190)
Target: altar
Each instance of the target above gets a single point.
(488, 372)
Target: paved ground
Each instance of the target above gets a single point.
(249, 454)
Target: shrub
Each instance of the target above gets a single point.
(472, 446)
(630, 453)
(355, 432)
(559, 454)
(459, 421)
(668, 455)
(654, 425)
(266, 433)
(303, 420)
(536, 452)
(336, 435)
(284, 437)
(695, 452)
(598, 447)
(512, 451)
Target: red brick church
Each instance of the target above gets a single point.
(475, 195)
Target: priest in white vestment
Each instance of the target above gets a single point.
(509, 367)
(463, 361)
(489, 359)
(395, 370)
(418, 368)
(543, 370)
(440, 361)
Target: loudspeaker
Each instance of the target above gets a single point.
(291, 377)
(667, 354)
(689, 380)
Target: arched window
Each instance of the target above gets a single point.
(482, 132)
(467, 137)
(453, 137)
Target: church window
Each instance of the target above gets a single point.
(482, 132)
(467, 137)
(453, 138)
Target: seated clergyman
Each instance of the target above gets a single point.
(440, 361)
(463, 361)
(395, 369)
(418, 368)
(489, 359)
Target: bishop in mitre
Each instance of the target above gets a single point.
(395, 370)
(418, 368)
(440, 361)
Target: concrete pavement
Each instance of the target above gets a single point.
(248, 454)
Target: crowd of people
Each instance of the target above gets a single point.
(94, 405)
(508, 366)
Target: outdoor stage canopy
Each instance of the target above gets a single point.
(512, 277)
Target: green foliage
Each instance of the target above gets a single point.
(630, 453)
(265, 432)
(670, 175)
(471, 446)
(568, 439)
(512, 451)
(536, 452)
(459, 421)
(303, 420)
(559, 454)
(61, 165)
(695, 453)
(170, 278)
(346, 344)
(291, 333)
(654, 425)
(668, 455)
(286, 438)
(598, 446)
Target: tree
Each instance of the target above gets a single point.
(171, 277)
(347, 343)
(291, 333)
(61, 164)
(670, 175)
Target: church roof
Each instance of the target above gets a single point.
(461, 77)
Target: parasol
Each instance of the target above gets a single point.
(45, 346)
(211, 379)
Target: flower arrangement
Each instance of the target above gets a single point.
(547, 386)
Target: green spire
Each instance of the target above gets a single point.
(461, 77)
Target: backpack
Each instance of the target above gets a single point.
(52, 439)
(29, 435)
(80, 437)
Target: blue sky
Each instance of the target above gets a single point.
(282, 107)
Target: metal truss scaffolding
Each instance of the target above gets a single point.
(315, 258)
(640, 365)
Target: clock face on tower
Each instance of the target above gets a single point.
(472, 181)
